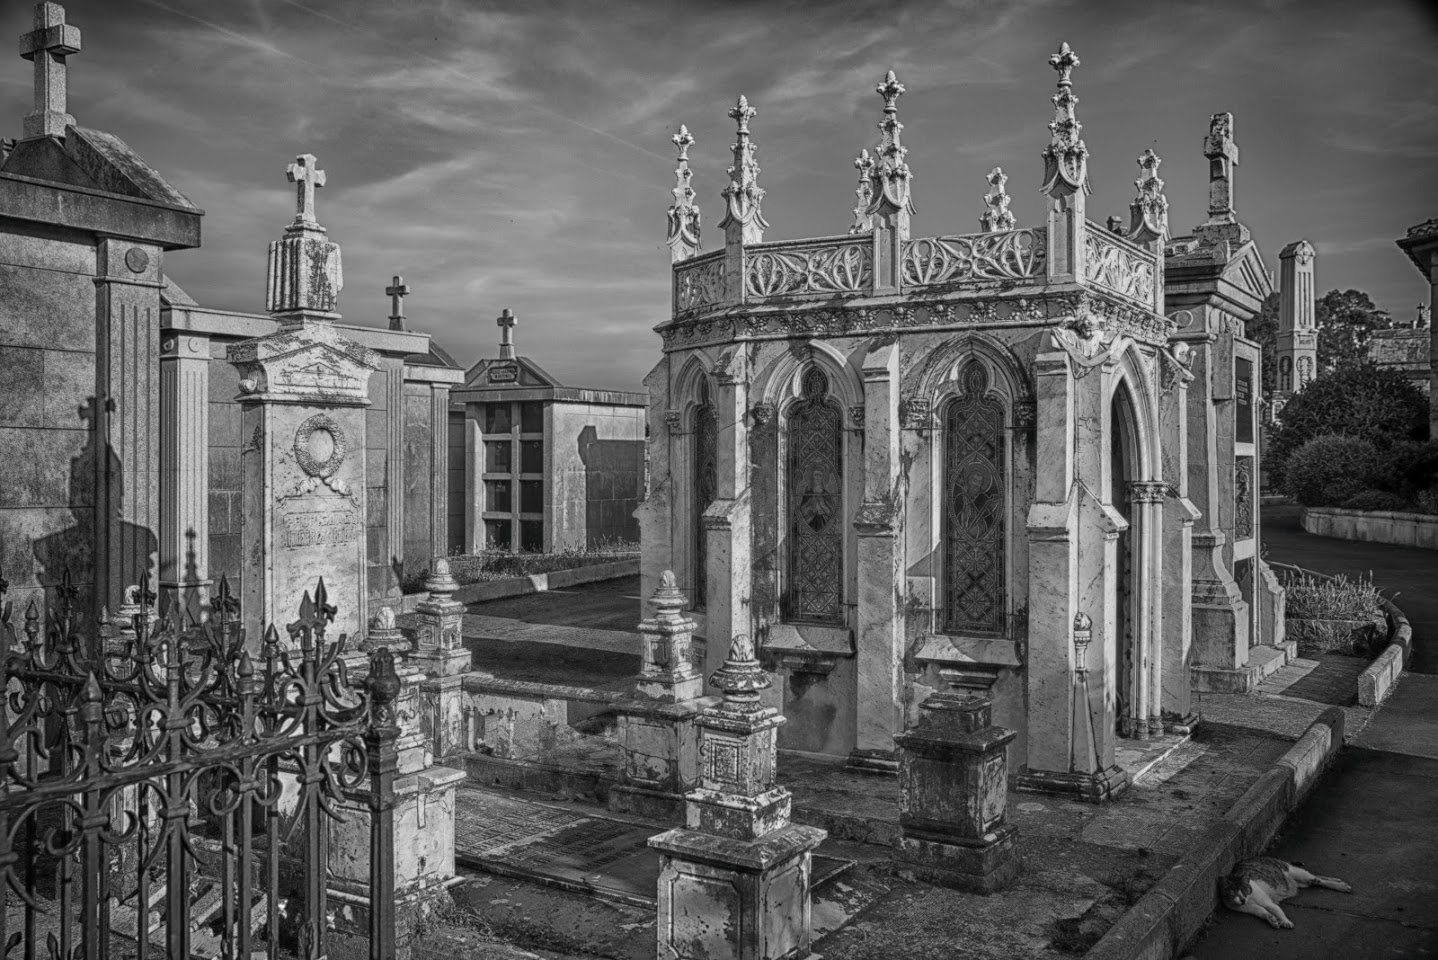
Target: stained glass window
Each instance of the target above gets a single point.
(973, 521)
(706, 483)
(815, 486)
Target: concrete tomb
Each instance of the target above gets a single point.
(547, 466)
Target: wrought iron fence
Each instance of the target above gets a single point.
(166, 787)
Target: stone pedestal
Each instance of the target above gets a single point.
(953, 788)
(667, 674)
(303, 390)
(439, 651)
(734, 881)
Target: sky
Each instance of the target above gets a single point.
(517, 154)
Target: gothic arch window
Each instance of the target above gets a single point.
(975, 499)
(1285, 373)
(705, 484)
(814, 480)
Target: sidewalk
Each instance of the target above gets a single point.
(1374, 819)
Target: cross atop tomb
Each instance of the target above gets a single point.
(396, 292)
(307, 175)
(47, 46)
(1222, 153)
(505, 322)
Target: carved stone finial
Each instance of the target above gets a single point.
(667, 581)
(1222, 152)
(864, 193)
(684, 214)
(1066, 157)
(440, 583)
(741, 677)
(743, 219)
(396, 292)
(47, 46)
(1148, 214)
(307, 176)
(505, 322)
(892, 177)
(997, 217)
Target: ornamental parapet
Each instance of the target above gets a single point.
(1116, 265)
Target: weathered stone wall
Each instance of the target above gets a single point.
(47, 390)
(418, 478)
(597, 473)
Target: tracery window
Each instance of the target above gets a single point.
(815, 582)
(706, 483)
(973, 511)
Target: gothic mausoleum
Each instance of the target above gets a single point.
(913, 464)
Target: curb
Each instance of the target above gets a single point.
(1379, 677)
(1166, 918)
(537, 583)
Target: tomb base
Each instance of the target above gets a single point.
(725, 899)
(981, 865)
(884, 762)
(1183, 726)
(643, 802)
(1086, 787)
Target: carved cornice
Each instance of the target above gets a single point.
(1095, 307)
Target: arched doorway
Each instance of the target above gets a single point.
(1123, 470)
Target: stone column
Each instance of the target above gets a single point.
(1146, 499)
(394, 471)
(953, 791)
(656, 512)
(127, 423)
(880, 627)
(727, 521)
(439, 469)
(734, 880)
(473, 479)
(185, 469)
(1179, 514)
(303, 391)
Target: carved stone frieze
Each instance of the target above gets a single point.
(1111, 265)
(1007, 255)
(762, 414)
(874, 516)
(818, 269)
(1026, 413)
(1147, 491)
(856, 415)
(674, 420)
(915, 412)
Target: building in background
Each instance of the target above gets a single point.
(546, 466)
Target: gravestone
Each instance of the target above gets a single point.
(303, 391)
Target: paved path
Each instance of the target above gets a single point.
(1374, 819)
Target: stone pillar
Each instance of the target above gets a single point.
(953, 790)
(667, 674)
(394, 472)
(1179, 515)
(127, 422)
(473, 479)
(439, 651)
(655, 512)
(1146, 508)
(727, 520)
(303, 391)
(734, 881)
(185, 469)
(439, 469)
(880, 626)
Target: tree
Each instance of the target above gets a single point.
(1263, 329)
(1356, 399)
(1345, 322)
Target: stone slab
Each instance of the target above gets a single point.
(538, 583)
(571, 848)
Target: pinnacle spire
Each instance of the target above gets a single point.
(892, 177)
(684, 214)
(1066, 157)
(1148, 214)
(743, 219)
(997, 217)
(864, 193)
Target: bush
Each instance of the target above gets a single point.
(1376, 500)
(1355, 400)
(1331, 598)
(1329, 470)
(501, 565)
(1427, 501)
(1410, 468)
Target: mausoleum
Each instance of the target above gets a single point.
(547, 466)
(965, 461)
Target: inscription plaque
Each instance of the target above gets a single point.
(320, 527)
(1243, 397)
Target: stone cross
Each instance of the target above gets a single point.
(306, 173)
(1222, 153)
(47, 46)
(396, 292)
(505, 322)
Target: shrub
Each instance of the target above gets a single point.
(1427, 501)
(1376, 500)
(1328, 470)
(1331, 598)
(1355, 400)
(501, 565)
(1409, 467)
